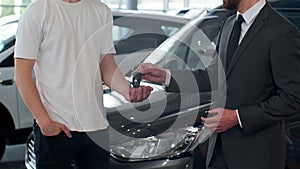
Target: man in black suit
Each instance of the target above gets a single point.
(262, 87)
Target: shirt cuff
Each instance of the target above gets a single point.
(168, 78)
(238, 116)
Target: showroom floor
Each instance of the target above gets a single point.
(13, 157)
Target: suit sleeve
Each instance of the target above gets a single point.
(195, 81)
(285, 62)
(189, 81)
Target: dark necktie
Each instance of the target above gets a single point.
(234, 38)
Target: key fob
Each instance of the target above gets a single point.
(136, 79)
(207, 115)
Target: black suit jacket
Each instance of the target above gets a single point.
(262, 81)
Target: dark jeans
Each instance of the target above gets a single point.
(80, 151)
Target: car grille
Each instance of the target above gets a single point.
(29, 153)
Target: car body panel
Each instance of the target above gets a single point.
(9, 95)
(182, 163)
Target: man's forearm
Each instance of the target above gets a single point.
(31, 98)
(29, 93)
(113, 77)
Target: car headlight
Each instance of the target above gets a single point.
(167, 145)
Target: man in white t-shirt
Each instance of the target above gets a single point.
(68, 44)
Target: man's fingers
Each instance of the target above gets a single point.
(66, 131)
(148, 70)
(152, 71)
(203, 119)
(133, 95)
(214, 119)
(211, 125)
(216, 127)
(152, 78)
(143, 66)
(153, 74)
(140, 94)
(146, 93)
(216, 111)
(219, 120)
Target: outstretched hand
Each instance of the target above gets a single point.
(139, 94)
(152, 73)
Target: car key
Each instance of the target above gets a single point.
(208, 115)
(136, 79)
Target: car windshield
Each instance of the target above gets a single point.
(191, 48)
(7, 35)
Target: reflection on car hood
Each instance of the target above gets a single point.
(160, 109)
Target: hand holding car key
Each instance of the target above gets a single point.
(220, 119)
(208, 115)
(136, 79)
(137, 91)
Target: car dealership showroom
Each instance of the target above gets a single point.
(170, 126)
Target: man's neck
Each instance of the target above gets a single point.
(245, 5)
(72, 1)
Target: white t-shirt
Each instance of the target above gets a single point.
(67, 40)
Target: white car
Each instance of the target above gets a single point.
(189, 13)
(15, 119)
(134, 34)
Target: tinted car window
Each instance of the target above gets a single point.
(194, 48)
(139, 42)
(169, 30)
(8, 32)
(120, 33)
(188, 52)
(7, 41)
(8, 62)
(136, 33)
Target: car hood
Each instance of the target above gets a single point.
(160, 112)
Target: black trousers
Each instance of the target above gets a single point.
(218, 160)
(82, 151)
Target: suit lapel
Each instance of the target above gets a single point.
(257, 25)
(225, 37)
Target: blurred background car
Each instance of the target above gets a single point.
(137, 33)
(9, 19)
(133, 32)
(189, 13)
(15, 119)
